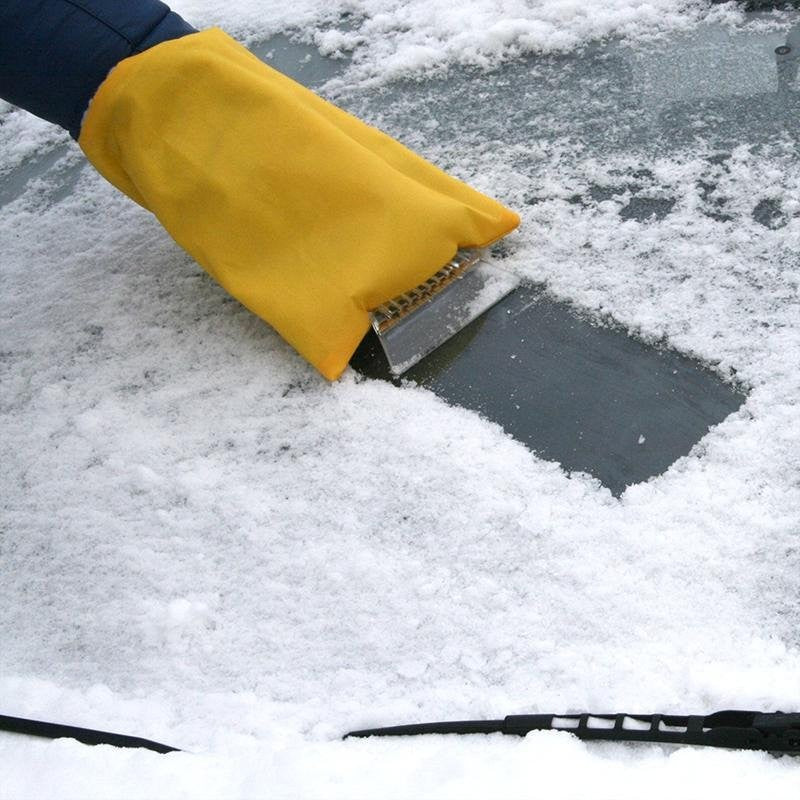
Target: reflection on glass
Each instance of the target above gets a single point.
(787, 57)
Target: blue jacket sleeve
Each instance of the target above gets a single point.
(54, 54)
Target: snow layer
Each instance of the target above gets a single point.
(392, 37)
(205, 544)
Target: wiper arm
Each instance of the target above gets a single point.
(54, 730)
(775, 731)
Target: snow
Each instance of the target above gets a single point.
(396, 37)
(205, 544)
(426, 768)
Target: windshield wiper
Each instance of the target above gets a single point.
(54, 730)
(775, 731)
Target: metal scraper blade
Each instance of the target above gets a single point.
(411, 326)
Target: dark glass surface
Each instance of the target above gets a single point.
(592, 398)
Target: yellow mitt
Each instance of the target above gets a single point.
(308, 216)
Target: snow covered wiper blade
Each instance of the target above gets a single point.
(775, 731)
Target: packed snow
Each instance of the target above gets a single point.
(393, 37)
(206, 544)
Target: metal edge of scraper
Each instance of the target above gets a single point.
(414, 324)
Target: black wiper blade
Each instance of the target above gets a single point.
(775, 731)
(54, 730)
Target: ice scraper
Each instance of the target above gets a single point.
(307, 215)
(310, 217)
